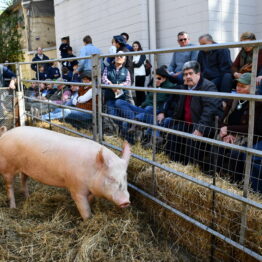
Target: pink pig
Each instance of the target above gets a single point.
(83, 166)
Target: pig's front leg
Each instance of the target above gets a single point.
(82, 204)
(9, 184)
(24, 178)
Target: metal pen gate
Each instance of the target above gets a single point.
(238, 241)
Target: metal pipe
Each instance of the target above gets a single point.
(189, 135)
(198, 224)
(248, 161)
(192, 179)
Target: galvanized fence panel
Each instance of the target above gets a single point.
(212, 218)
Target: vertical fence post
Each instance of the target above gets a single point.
(95, 74)
(154, 131)
(249, 144)
(20, 96)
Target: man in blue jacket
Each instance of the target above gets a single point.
(7, 73)
(215, 64)
(87, 50)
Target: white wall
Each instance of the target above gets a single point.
(101, 19)
(225, 20)
(174, 16)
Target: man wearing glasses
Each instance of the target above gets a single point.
(179, 58)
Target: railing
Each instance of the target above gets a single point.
(238, 241)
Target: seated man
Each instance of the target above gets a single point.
(192, 114)
(215, 65)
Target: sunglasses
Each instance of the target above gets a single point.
(182, 39)
(159, 78)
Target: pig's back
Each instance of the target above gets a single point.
(49, 157)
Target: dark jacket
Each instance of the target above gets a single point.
(70, 64)
(129, 62)
(53, 73)
(244, 58)
(36, 58)
(203, 109)
(161, 98)
(236, 120)
(63, 50)
(42, 76)
(214, 63)
(5, 72)
(116, 77)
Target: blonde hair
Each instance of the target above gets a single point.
(247, 36)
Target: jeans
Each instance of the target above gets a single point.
(58, 113)
(79, 119)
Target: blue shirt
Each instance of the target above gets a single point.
(87, 50)
(179, 58)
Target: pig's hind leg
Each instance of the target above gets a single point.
(9, 184)
(24, 184)
(82, 204)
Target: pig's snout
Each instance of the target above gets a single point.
(125, 204)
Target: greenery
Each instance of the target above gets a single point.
(10, 35)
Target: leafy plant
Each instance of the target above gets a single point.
(10, 35)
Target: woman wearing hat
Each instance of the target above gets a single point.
(120, 44)
(234, 130)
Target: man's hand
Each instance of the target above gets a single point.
(223, 131)
(237, 75)
(197, 133)
(259, 78)
(229, 139)
(12, 84)
(160, 117)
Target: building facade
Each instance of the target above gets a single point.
(155, 23)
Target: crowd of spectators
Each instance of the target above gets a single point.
(207, 71)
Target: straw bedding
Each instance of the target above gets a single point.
(47, 226)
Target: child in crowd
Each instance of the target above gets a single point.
(53, 71)
(64, 47)
(76, 75)
(42, 75)
(70, 64)
(67, 74)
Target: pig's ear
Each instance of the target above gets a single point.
(100, 161)
(126, 152)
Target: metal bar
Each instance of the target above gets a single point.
(162, 90)
(254, 43)
(248, 161)
(95, 73)
(189, 135)
(190, 92)
(192, 179)
(56, 82)
(198, 224)
(154, 131)
(57, 105)
(62, 127)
